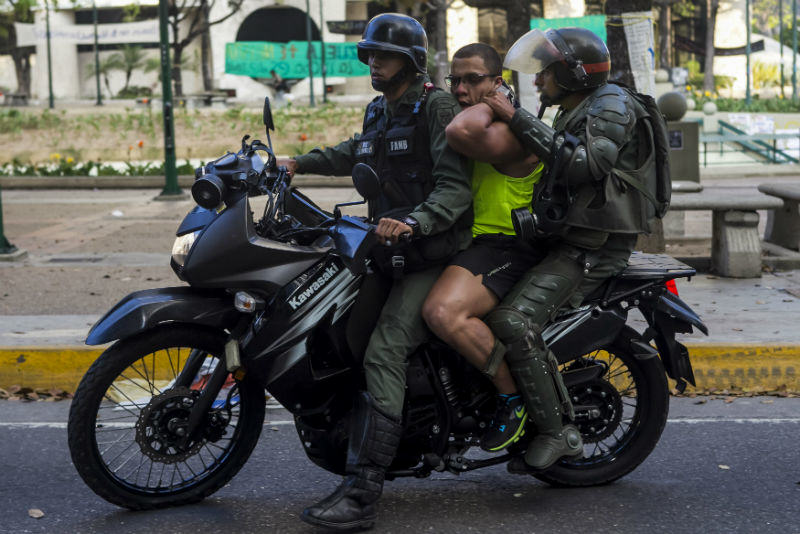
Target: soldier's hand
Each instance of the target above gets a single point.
(289, 163)
(502, 108)
(389, 231)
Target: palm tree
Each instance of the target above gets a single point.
(131, 57)
(107, 65)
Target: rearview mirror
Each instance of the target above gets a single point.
(366, 181)
(268, 115)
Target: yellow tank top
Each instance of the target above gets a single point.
(494, 195)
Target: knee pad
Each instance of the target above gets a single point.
(508, 324)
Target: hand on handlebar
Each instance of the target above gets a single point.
(289, 163)
(390, 231)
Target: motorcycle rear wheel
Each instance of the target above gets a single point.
(125, 410)
(611, 453)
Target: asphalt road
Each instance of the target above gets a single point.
(720, 467)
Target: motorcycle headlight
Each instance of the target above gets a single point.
(182, 246)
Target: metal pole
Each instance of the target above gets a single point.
(5, 246)
(171, 185)
(322, 48)
(49, 61)
(310, 54)
(96, 55)
(747, 48)
(780, 40)
(794, 50)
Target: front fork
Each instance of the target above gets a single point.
(229, 364)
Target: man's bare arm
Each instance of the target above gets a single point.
(475, 133)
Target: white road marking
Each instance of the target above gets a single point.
(690, 421)
(23, 424)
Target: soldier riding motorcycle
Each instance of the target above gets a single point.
(285, 302)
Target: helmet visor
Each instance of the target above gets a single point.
(532, 53)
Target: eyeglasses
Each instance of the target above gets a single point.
(469, 79)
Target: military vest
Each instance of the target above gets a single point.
(399, 151)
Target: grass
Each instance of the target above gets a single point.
(32, 136)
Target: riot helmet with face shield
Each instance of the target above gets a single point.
(578, 58)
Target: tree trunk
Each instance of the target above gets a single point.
(177, 75)
(205, 49)
(22, 66)
(665, 36)
(518, 23)
(439, 42)
(708, 62)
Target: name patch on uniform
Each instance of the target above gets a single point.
(396, 146)
(365, 148)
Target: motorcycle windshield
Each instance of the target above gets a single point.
(532, 53)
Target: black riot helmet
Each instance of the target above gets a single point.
(578, 57)
(393, 32)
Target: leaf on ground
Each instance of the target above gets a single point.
(767, 401)
(520, 495)
(724, 467)
(35, 513)
(729, 400)
(701, 401)
(736, 329)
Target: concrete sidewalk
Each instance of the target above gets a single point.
(89, 248)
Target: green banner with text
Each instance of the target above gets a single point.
(290, 60)
(595, 23)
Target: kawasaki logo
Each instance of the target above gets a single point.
(298, 300)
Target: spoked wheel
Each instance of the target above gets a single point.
(128, 420)
(620, 415)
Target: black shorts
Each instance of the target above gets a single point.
(501, 259)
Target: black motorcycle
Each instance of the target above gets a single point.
(172, 410)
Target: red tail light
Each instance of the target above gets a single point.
(672, 287)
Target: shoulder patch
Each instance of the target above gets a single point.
(444, 115)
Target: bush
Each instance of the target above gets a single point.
(759, 105)
(134, 91)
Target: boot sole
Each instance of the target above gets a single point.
(518, 434)
(360, 524)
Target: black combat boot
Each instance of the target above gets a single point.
(374, 437)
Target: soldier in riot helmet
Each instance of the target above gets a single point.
(595, 198)
(425, 193)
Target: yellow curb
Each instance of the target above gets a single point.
(741, 367)
(45, 367)
(746, 367)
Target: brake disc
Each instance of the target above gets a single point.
(598, 409)
(162, 426)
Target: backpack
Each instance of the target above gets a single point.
(660, 192)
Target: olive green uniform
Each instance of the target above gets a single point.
(596, 242)
(400, 328)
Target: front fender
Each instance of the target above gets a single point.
(143, 310)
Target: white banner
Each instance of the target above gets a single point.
(641, 49)
(130, 32)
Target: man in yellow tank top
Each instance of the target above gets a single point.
(478, 278)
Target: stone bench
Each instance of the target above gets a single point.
(735, 243)
(783, 224)
(15, 99)
(212, 100)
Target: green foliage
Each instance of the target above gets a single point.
(757, 105)
(766, 75)
(134, 91)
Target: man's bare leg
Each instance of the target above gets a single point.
(453, 310)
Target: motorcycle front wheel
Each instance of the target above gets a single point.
(621, 415)
(125, 421)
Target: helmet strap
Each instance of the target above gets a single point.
(399, 77)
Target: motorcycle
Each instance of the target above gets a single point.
(286, 303)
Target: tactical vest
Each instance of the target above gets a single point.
(399, 151)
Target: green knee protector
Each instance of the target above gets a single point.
(508, 324)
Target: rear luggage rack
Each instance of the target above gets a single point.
(648, 266)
